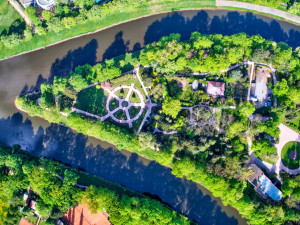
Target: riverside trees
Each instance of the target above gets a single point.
(55, 193)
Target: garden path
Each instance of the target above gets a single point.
(149, 103)
(286, 135)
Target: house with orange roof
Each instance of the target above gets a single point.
(81, 215)
(24, 222)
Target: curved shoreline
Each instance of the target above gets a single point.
(218, 199)
(271, 16)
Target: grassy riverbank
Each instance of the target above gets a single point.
(147, 9)
(117, 17)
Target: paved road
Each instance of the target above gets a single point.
(259, 8)
(20, 11)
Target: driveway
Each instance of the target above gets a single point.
(286, 135)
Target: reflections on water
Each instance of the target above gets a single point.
(22, 73)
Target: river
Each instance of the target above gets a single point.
(24, 72)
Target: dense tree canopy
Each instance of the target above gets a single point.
(53, 185)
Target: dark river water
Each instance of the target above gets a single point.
(20, 74)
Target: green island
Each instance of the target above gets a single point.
(213, 108)
(290, 155)
(36, 185)
(59, 20)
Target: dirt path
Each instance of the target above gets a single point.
(20, 11)
(259, 8)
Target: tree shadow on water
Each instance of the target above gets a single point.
(63, 144)
(74, 58)
(37, 85)
(230, 23)
(118, 47)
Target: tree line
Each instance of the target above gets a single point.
(54, 196)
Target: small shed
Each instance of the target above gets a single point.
(32, 204)
(25, 197)
(195, 85)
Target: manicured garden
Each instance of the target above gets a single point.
(290, 155)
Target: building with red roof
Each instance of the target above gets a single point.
(24, 222)
(215, 88)
(32, 204)
(81, 215)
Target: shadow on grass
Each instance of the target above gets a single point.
(92, 100)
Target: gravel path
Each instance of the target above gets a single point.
(286, 135)
(259, 8)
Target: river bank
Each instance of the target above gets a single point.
(51, 38)
(20, 74)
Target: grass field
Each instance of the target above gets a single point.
(92, 100)
(295, 124)
(285, 155)
(7, 15)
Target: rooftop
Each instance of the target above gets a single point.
(81, 215)
(24, 222)
(263, 185)
(261, 88)
(215, 88)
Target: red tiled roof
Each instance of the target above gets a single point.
(24, 222)
(81, 215)
(215, 88)
(32, 204)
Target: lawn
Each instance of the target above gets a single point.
(121, 115)
(113, 104)
(285, 155)
(134, 110)
(7, 15)
(295, 124)
(91, 100)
